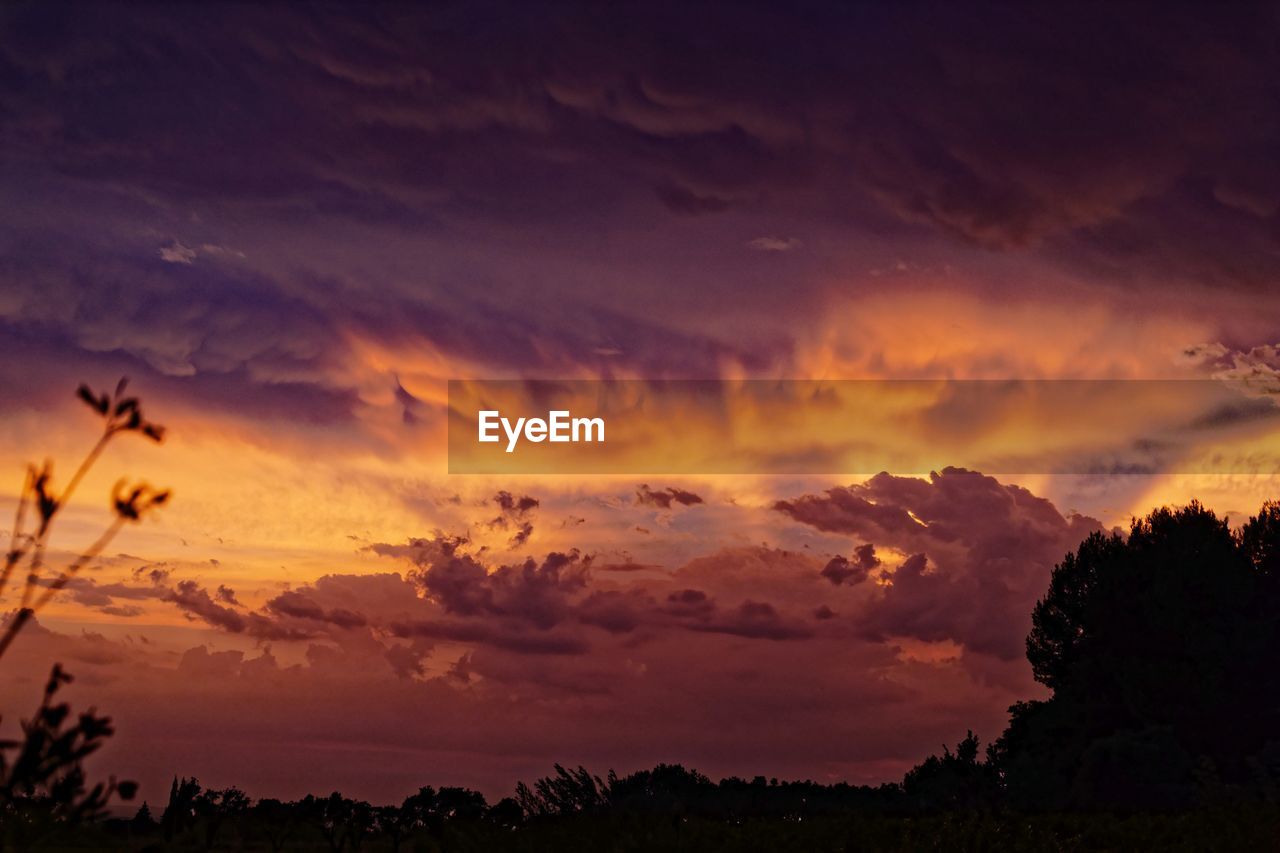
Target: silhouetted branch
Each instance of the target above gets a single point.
(119, 414)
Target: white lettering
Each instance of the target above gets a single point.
(559, 426)
(487, 424)
(587, 424)
(558, 421)
(513, 435)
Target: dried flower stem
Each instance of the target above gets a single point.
(120, 414)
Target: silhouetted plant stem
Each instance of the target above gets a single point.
(14, 555)
(94, 550)
(37, 559)
(119, 414)
(25, 613)
(33, 574)
(85, 465)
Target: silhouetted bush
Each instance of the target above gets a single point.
(43, 788)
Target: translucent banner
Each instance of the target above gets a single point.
(860, 427)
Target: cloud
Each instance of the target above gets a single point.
(91, 593)
(534, 592)
(689, 602)
(196, 602)
(199, 662)
(980, 553)
(924, 138)
(299, 606)
(685, 201)
(513, 506)
(521, 660)
(500, 605)
(840, 569)
(1256, 369)
(774, 244)
(515, 513)
(127, 611)
(615, 611)
(664, 498)
(755, 620)
(521, 642)
(176, 253)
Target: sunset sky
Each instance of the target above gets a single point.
(291, 228)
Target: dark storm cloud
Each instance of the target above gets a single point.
(180, 319)
(758, 620)
(522, 642)
(199, 605)
(979, 553)
(196, 602)
(1129, 145)
(89, 592)
(539, 337)
(515, 515)
(841, 569)
(536, 592)
(225, 342)
(516, 507)
(1103, 131)
(689, 602)
(542, 604)
(299, 606)
(664, 498)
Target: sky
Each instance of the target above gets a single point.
(291, 227)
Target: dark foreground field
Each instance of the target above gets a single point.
(1233, 829)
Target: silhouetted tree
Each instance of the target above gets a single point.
(460, 804)
(393, 822)
(275, 821)
(664, 789)
(567, 792)
(142, 821)
(419, 809)
(953, 780)
(215, 807)
(506, 813)
(180, 813)
(340, 821)
(1159, 648)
